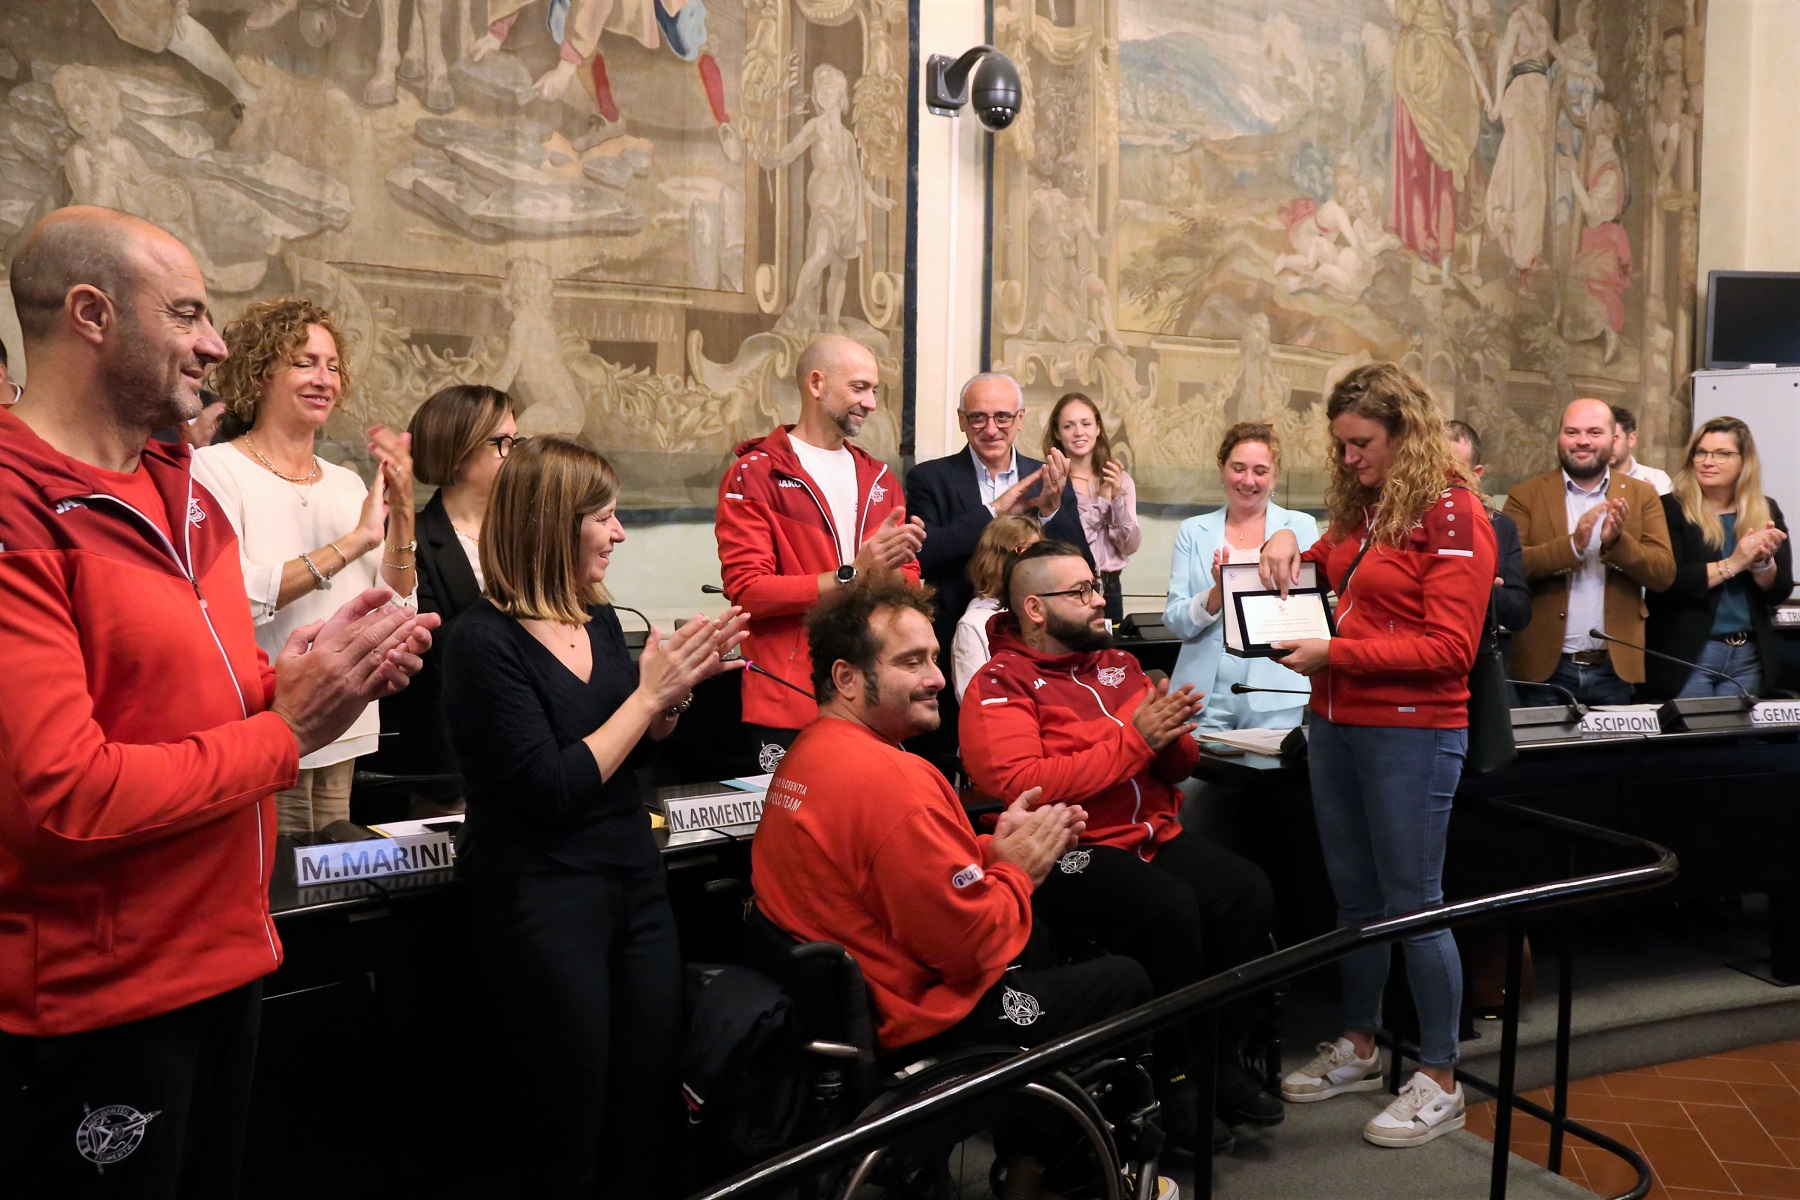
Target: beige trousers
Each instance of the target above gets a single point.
(320, 796)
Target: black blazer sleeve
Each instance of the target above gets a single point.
(1784, 563)
(1512, 598)
(950, 535)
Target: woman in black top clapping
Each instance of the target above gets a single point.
(574, 933)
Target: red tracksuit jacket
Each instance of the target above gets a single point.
(776, 538)
(1409, 625)
(865, 845)
(137, 755)
(1063, 723)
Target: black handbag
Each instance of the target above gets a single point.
(1491, 744)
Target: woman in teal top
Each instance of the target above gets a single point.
(1249, 465)
(1733, 565)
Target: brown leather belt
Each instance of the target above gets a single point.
(1733, 639)
(1587, 658)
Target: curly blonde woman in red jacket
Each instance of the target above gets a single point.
(1410, 553)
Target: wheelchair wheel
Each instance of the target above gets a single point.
(1054, 1123)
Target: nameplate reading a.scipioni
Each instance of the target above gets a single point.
(1616, 724)
(1775, 712)
(336, 862)
(694, 814)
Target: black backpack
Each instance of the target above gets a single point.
(742, 1072)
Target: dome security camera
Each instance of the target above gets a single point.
(995, 92)
(995, 86)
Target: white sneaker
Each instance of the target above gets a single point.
(1166, 1189)
(1336, 1070)
(1421, 1112)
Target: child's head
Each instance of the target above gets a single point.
(1003, 538)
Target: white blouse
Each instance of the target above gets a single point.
(273, 528)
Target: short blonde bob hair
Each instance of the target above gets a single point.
(531, 535)
(1003, 538)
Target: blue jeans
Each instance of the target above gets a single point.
(1381, 797)
(1742, 663)
(1598, 684)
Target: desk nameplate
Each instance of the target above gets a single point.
(1775, 712)
(1620, 724)
(700, 818)
(337, 862)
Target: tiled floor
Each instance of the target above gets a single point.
(1726, 1125)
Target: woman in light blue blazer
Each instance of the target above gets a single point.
(1249, 464)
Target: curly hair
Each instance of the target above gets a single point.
(1250, 431)
(1422, 463)
(840, 627)
(260, 342)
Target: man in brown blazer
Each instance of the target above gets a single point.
(1593, 539)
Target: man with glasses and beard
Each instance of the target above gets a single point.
(1594, 539)
(1059, 712)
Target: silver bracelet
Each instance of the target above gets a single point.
(321, 581)
(1762, 564)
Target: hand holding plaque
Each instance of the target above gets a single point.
(1259, 617)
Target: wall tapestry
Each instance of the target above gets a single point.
(1209, 210)
(629, 213)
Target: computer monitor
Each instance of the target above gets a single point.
(1752, 318)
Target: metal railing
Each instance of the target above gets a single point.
(965, 1096)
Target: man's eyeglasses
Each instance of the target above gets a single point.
(1084, 592)
(1001, 420)
(1718, 456)
(504, 443)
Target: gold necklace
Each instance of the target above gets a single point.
(311, 477)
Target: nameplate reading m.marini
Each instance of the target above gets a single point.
(1617, 724)
(336, 862)
(734, 810)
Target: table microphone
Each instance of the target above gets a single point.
(1240, 689)
(1680, 662)
(1576, 707)
(712, 589)
(750, 666)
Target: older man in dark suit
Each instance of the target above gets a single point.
(957, 495)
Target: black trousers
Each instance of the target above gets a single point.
(1194, 910)
(1033, 1005)
(584, 971)
(155, 1109)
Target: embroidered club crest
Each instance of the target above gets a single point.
(196, 512)
(1074, 862)
(1111, 676)
(770, 756)
(109, 1135)
(877, 493)
(1020, 1008)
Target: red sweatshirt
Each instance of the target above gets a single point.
(137, 755)
(865, 845)
(1408, 627)
(776, 538)
(1063, 723)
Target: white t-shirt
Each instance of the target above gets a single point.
(835, 473)
(1657, 479)
(273, 528)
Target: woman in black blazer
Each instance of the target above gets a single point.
(460, 436)
(574, 936)
(1733, 565)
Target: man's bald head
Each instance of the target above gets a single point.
(100, 247)
(1584, 441)
(827, 354)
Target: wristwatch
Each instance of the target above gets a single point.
(845, 574)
